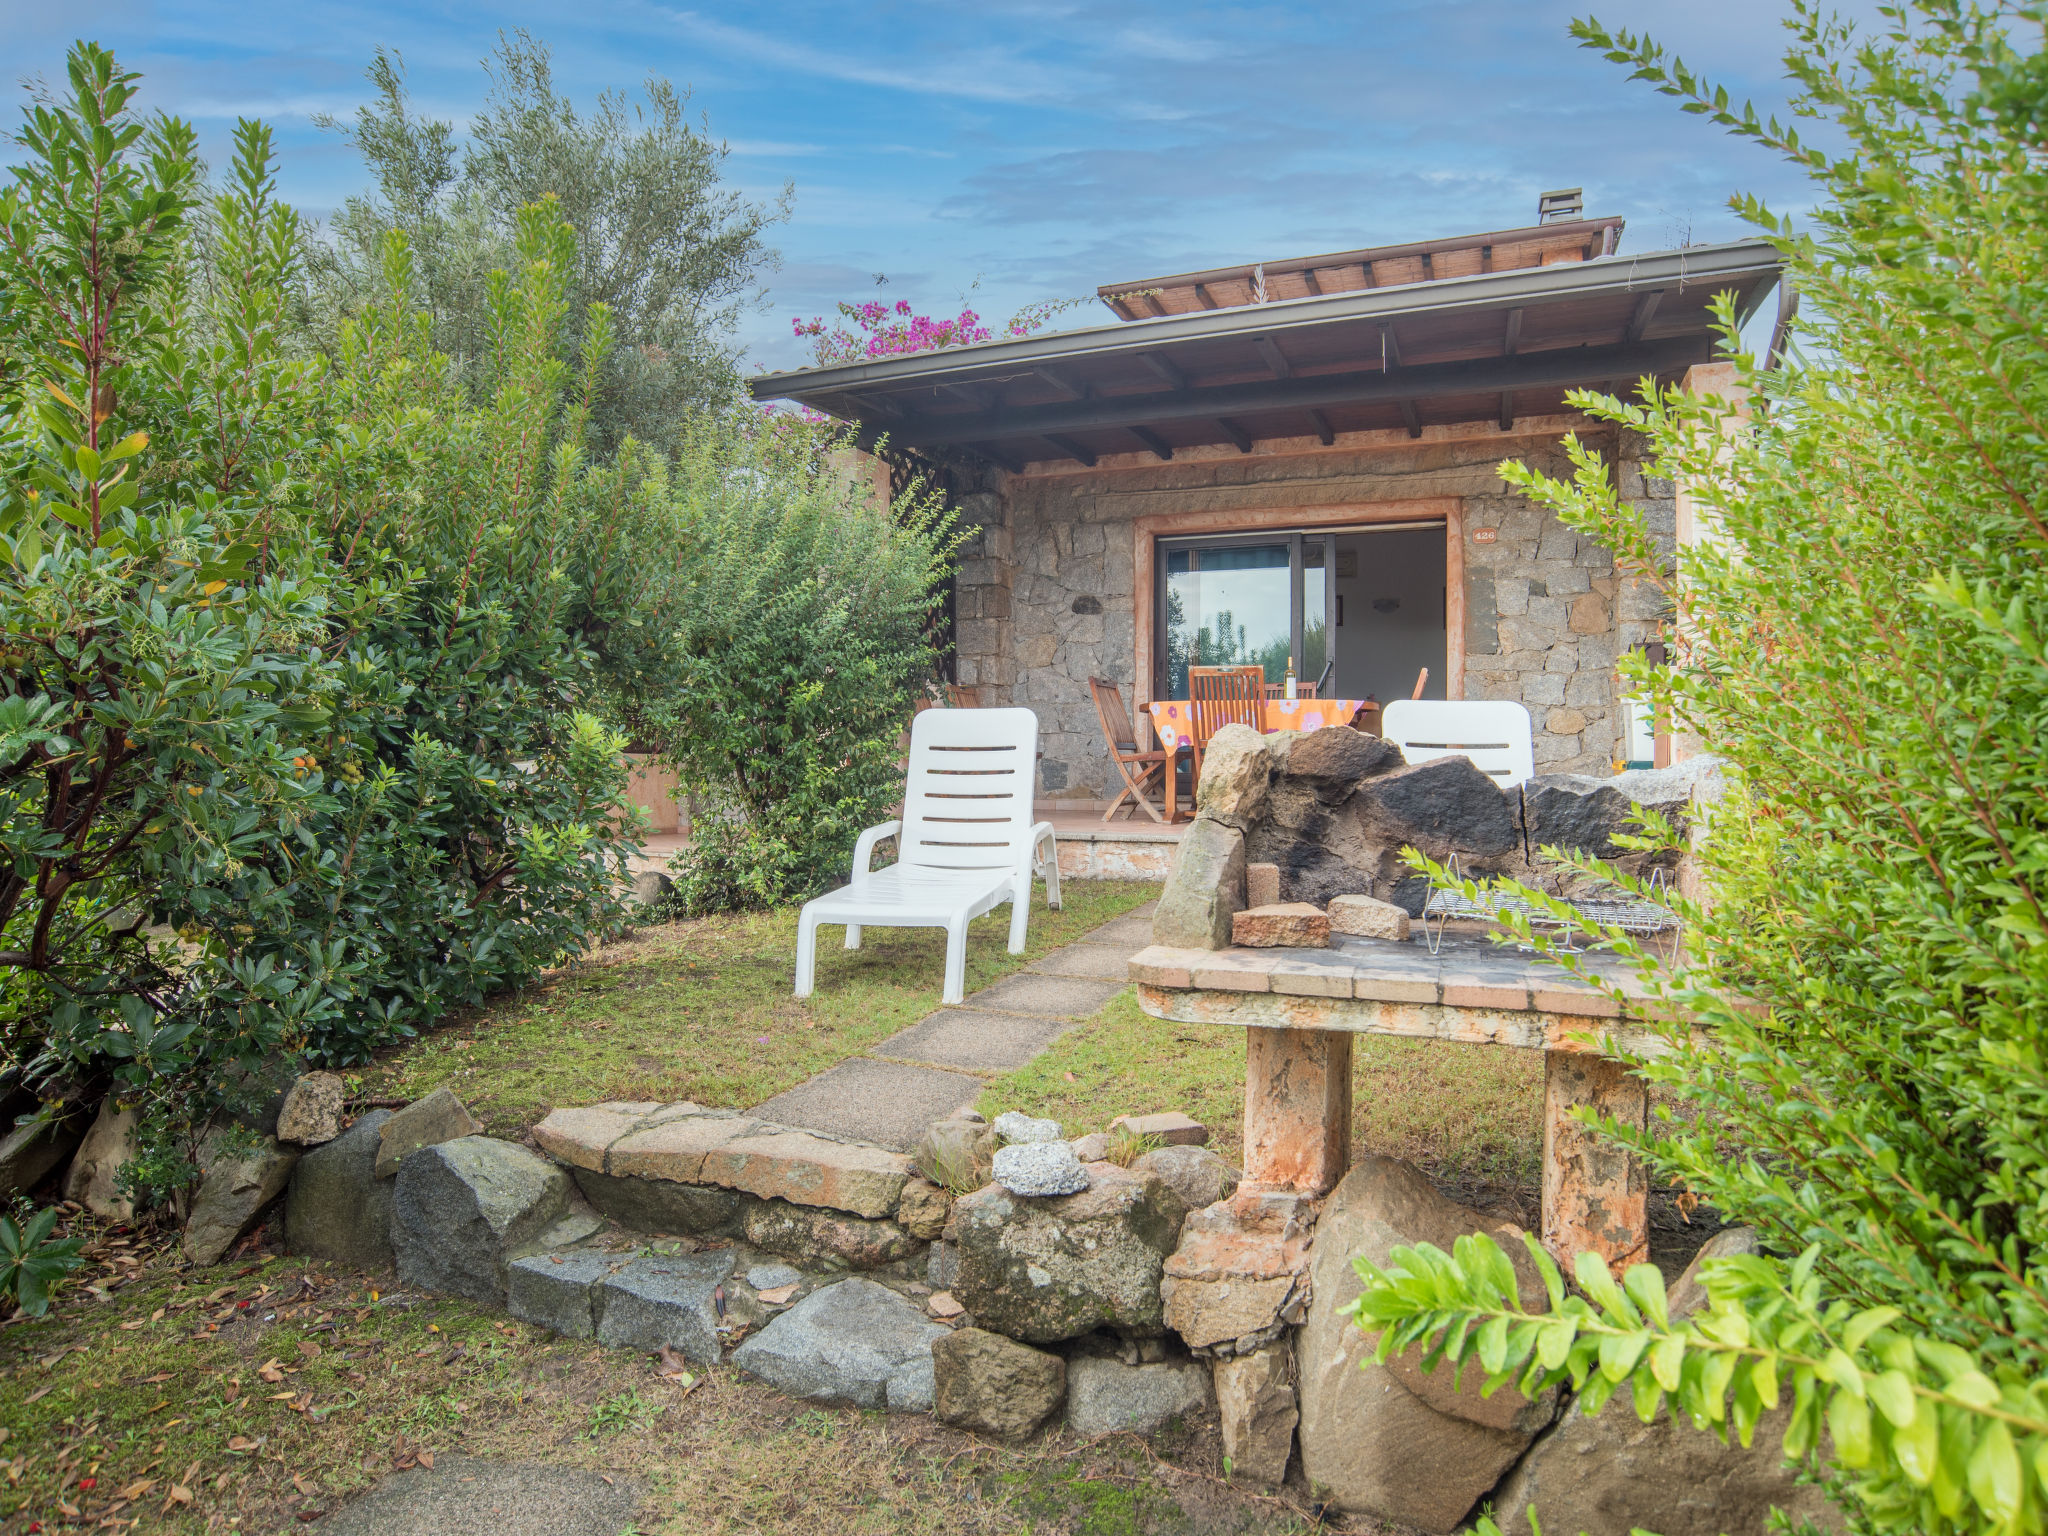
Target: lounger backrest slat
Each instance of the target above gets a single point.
(968, 801)
(1494, 733)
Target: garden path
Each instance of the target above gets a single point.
(889, 1094)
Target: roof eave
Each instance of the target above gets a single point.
(1704, 264)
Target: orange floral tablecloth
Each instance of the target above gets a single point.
(1174, 719)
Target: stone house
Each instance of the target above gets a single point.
(1295, 462)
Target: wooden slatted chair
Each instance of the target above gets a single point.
(1143, 772)
(1220, 696)
(963, 696)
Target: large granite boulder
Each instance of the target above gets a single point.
(31, 1149)
(1394, 1441)
(1205, 888)
(1042, 1270)
(311, 1113)
(993, 1385)
(825, 1239)
(1608, 1474)
(1334, 761)
(663, 1206)
(652, 1302)
(855, 1342)
(1237, 767)
(337, 1208)
(1200, 1177)
(236, 1182)
(464, 1208)
(94, 1177)
(1576, 812)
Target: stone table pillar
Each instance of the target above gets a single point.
(1595, 1193)
(1297, 1108)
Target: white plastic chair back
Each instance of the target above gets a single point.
(967, 804)
(1494, 733)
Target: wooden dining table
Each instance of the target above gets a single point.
(1173, 721)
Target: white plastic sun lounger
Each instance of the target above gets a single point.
(1494, 733)
(966, 843)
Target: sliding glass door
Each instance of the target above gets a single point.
(1247, 600)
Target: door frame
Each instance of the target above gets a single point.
(1148, 530)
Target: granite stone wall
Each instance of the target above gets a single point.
(1046, 583)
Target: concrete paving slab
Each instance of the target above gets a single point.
(974, 1040)
(1133, 928)
(467, 1496)
(1062, 996)
(888, 1103)
(1094, 962)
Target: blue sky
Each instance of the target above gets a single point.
(1037, 146)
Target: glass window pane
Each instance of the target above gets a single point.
(1315, 623)
(1226, 607)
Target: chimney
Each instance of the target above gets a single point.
(1561, 206)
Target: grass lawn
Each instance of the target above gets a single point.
(1470, 1114)
(702, 1011)
(259, 1395)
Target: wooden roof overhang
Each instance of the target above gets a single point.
(1447, 350)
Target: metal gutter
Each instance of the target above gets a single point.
(1696, 265)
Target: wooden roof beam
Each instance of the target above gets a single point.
(1408, 415)
(1071, 449)
(1166, 368)
(1276, 360)
(1322, 425)
(997, 457)
(1639, 321)
(1507, 410)
(1151, 299)
(983, 397)
(1061, 382)
(1513, 337)
(1311, 282)
(1236, 434)
(1161, 448)
(1207, 299)
(1390, 349)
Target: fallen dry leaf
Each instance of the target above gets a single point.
(179, 1494)
(672, 1365)
(40, 1393)
(242, 1443)
(305, 1484)
(137, 1490)
(271, 1371)
(68, 1511)
(131, 1327)
(779, 1295)
(427, 1460)
(309, 1349)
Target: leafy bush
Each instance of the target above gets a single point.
(802, 645)
(1861, 636)
(32, 1261)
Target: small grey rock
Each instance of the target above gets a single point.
(654, 1301)
(772, 1277)
(427, 1122)
(1091, 1148)
(1200, 1177)
(855, 1342)
(1104, 1395)
(1040, 1168)
(942, 1266)
(651, 888)
(1015, 1127)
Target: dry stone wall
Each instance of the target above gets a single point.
(1047, 582)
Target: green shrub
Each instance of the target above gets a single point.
(802, 646)
(32, 1262)
(1862, 639)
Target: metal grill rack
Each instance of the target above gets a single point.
(1639, 919)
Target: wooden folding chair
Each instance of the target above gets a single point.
(1220, 696)
(1143, 772)
(962, 696)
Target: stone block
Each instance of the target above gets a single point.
(1335, 760)
(1258, 1407)
(923, 1209)
(1239, 1276)
(855, 1342)
(427, 1122)
(1204, 890)
(234, 1187)
(1568, 810)
(825, 1239)
(993, 1385)
(337, 1208)
(1105, 1396)
(1173, 1128)
(556, 1290)
(1284, 925)
(1366, 917)
(311, 1114)
(1051, 1269)
(674, 1145)
(807, 1169)
(1262, 885)
(463, 1208)
(94, 1177)
(577, 1137)
(657, 1205)
(655, 1301)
